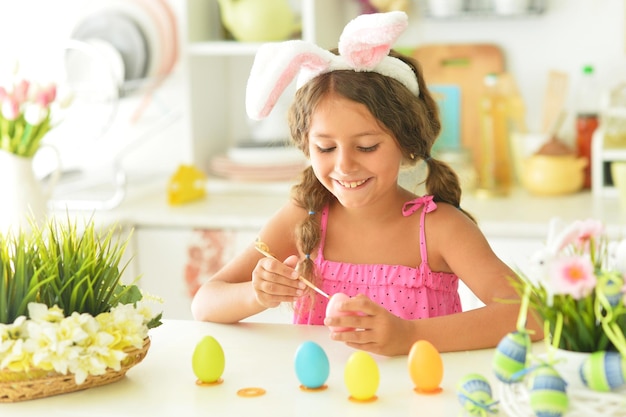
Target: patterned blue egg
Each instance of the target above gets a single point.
(604, 371)
(613, 288)
(548, 394)
(474, 394)
(311, 365)
(509, 360)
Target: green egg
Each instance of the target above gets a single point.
(208, 360)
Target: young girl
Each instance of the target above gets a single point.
(349, 227)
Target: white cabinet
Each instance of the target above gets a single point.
(174, 262)
(515, 252)
(218, 69)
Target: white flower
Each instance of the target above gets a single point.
(10, 108)
(41, 312)
(79, 344)
(35, 113)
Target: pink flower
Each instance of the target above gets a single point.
(21, 91)
(588, 230)
(572, 275)
(45, 95)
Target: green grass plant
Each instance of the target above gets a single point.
(78, 270)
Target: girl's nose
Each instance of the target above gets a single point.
(346, 162)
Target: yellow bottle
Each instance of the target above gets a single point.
(495, 173)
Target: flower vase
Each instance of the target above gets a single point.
(22, 198)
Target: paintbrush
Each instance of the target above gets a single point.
(264, 249)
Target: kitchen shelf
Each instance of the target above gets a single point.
(218, 69)
(222, 48)
(479, 9)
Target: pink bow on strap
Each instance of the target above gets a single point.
(412, 206)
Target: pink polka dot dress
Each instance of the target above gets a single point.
(407, 292)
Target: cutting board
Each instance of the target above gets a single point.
(463, 65)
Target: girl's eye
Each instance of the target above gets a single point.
(368, 148)
(324, 150)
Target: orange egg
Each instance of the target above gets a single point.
(425, 367)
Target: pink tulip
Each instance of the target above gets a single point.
(20, 91)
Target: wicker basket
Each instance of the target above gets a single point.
(21, 386)
(514, 401)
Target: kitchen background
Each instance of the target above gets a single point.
(148, 133)
(565, 36)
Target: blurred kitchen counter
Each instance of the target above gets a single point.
(229, 205)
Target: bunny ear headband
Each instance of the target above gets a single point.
(364, 45)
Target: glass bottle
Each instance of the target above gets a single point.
(495, 173)
(587, 108)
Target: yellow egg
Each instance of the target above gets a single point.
(361, 376)
(425, 367)
(208, 360)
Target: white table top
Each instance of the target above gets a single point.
(257, 355)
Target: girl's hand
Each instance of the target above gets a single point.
(377, 330)
(275, 282)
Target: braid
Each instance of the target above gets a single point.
(443, 183)
(310, 194)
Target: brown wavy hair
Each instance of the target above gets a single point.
(413, 121)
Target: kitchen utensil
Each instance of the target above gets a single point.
(464, 65)
(554, 100)
(123, 34)
(255, 21)
(263, 249)
(553, 174)
(554, 146)
(448, 98)
(554, 169)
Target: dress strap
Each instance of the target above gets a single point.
(411, 207)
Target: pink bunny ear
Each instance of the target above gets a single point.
(367, 39)
(275, 66)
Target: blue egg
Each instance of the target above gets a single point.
(548, 394)
(604, 371)
(509, 360)
(311, 365)
(474, 394)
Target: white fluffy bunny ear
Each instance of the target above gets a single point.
(275, 66)
(364, 46)
(367, 39)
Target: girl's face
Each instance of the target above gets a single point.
(351, 154)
